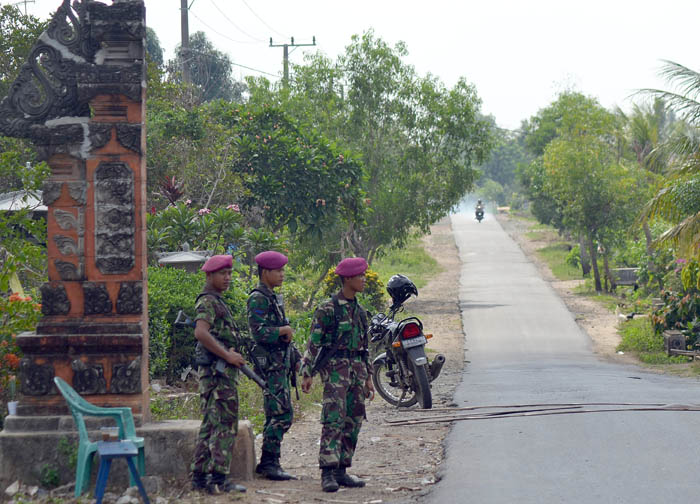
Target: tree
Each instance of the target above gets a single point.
(502, 166)
(678, 201)
(596, 196)
(210, 69)
(18, 34)
(418, 140)
(153, 49)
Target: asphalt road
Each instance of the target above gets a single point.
(524, 347)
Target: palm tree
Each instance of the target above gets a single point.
(678, 201)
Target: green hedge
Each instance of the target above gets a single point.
(171, 290)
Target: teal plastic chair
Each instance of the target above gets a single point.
(79, 408)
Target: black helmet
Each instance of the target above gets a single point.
(400, 289)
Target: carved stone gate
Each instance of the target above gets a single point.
(80, 99)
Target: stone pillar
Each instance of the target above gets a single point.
(80, 98)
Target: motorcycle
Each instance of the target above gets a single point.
(479, 213)
(402, 373)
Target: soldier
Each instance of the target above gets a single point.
(339, 350)
(216, 332)
(276, 358)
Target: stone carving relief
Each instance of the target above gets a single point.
(129, 136)
(100, 134)
(126, 378)
(54, 300)
(67, 271)
(78, 191)
(96, 299)
(50, 192)
(66, 220)
(88, 379)
(130, 298)
(114, 218)
(36, 380)
(65, 244)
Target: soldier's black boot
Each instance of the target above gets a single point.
(281, 473)
(347, 480)
(328, 482)
(219, 484)
(269, 467)
(199, 481)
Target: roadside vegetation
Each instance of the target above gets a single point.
(355, 155)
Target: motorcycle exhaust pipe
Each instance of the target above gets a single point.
(436, 366)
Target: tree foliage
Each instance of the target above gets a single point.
(210, 70)
(677, 200)
(418, 140)
(18, 34)
(579, 183)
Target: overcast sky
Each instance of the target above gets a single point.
(519, 54)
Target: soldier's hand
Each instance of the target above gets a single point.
(234, 358)
(369, 389)
(286, 333)
(306, 384)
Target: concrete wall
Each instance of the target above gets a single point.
(169, 451)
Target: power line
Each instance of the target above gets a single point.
(221, 34)
(194, 51)
(234, 24)
(262, 20)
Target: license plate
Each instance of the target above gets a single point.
(410, 343)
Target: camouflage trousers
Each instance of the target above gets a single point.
(278, 418)
(343, 410)
(219, 405)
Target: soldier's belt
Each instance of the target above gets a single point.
(348, 354)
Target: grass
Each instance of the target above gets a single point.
(639, 338)
(555, 257)
(412, 261)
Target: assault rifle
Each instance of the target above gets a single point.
(182, 321)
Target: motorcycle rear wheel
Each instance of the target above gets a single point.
(386, 391)
(422, 382)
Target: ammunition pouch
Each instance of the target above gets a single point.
(261, 358)
(202, 356)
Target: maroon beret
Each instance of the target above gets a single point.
(217, 262)
(351, 266)
(271, 259)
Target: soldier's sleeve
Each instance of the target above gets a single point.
(319, 326)
(365, 341)
(260, 329)
(204, 310)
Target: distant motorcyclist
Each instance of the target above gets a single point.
(479, 210)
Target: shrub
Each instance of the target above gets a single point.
(373, 295)
(573, 258)
(171, 290)
(17, 314)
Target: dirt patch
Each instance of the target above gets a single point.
(596, 320)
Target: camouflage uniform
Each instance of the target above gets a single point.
(218, 392)
(343, 378)
(265, 317)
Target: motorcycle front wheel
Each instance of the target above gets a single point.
(422, 385)
(392, 395)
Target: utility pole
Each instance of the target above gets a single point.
(185, 45)
(285, 55)
(25, 2)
